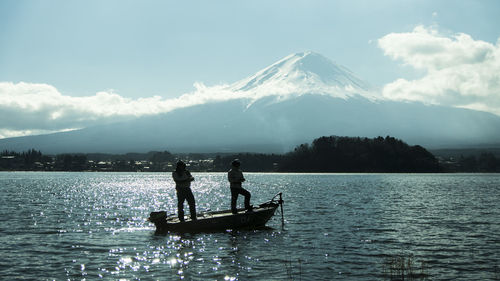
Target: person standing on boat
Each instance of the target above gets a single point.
(235, 177)
(183, 179)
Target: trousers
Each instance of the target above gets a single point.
(234, 197)
(185, 194)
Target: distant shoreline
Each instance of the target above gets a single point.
(251, 172)
(331, 154)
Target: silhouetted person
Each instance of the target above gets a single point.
(183, 179)
(235, 177)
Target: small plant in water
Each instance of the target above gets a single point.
(290, 271)
(403, 268)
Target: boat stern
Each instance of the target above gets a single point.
(158, 218)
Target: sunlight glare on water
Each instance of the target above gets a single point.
(93, 226)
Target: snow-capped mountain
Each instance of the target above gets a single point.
(295, 100)
(303, 73)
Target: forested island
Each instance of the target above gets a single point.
(331, 154)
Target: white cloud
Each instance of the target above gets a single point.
(460, 71)
(28, 108)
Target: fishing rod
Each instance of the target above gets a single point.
(280, 201)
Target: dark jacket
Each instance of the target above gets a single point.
(235, 177)
(183, 179)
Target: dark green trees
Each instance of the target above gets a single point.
(348, 154)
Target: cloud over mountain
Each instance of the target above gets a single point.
(293, 101)
(459, 71)
(41, 108)
(31, 108)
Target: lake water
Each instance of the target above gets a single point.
(337, 226)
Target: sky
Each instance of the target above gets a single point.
(69, 64)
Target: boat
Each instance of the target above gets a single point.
(215, 221)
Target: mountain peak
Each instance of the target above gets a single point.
(301, 73)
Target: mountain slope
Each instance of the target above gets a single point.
(303, 73)
(297, 99)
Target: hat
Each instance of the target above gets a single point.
(236, 163)
(181, 164)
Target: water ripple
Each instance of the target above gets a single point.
(337, 226)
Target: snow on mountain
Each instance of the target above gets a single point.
(295, 100)
(299, 74)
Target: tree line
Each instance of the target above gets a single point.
(324, 154)
(342, 154)
(34, 160)
(485, 162)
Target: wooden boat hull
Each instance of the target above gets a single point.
(216, 221)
